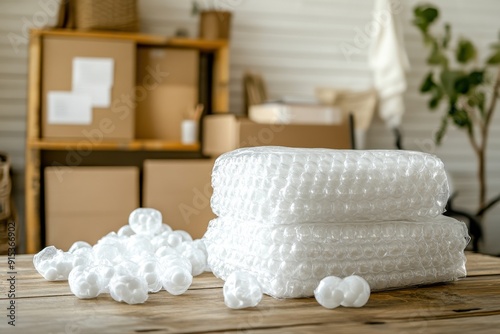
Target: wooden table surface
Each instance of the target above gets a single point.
(469, 305)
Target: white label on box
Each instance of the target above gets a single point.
(69, 108)
(94, 76)
(100, 95)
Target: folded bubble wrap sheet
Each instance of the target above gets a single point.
(280, 185)
(290, 260)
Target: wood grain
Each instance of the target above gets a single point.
(470, 304)
(32, 157)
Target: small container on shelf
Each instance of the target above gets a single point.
(189, 126)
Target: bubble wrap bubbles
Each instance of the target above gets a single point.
(85, 282)
(176, 279)
(53, 264)
(290, 260)
(129, 289)
(280, 185)
(145, 221)
(241, 290)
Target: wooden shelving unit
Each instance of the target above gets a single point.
(134, 145)
(36, 145)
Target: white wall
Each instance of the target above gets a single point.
(295, 44)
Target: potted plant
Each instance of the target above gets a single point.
(469, 89)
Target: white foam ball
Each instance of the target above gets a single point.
(164, 251)
(174, 239)
(53, 264)
(241, 290)
(177, 280)
(328, 294)
(197, 259)
(148, 269)
(165, 228)
(83, 257)
(145, 221)
(356, 291)
(129, 289)
(85, 282)
(185, 235)
(125, 231)
(79, 245)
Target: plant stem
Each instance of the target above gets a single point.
(481, 151)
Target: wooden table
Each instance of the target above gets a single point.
(469, 305)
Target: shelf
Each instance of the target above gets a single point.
(134, 145)
(139, 38)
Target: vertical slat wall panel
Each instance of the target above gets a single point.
(296, 45)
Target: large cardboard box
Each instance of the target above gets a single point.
(113, 123)
(226, 132)
(181, 190)
(85, 203)
(170, 96)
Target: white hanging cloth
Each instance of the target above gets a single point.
(389, 62)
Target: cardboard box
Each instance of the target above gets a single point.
(86, 203)
(288, 113)
(181, 190)
(113, 123)
(171, 96)
(226, 132)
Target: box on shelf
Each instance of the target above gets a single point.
(85, 203)
(181, 190)
(223, 133)
(68, 85)
(169, 94)
(295, 113)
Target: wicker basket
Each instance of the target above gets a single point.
(8, 214)
(5, 186)
(215, 25)
(121, 15)
(107, 15)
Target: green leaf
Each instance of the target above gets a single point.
(437, 57)
(437, 95)
(434, 102)
(459, 116)
(462, 85)
(448, 78)
(424, 16)
(442, 130)
(465, 51)
(494, 59)
(428, 84)
(476, 78)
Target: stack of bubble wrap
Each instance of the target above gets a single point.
(291, 217)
